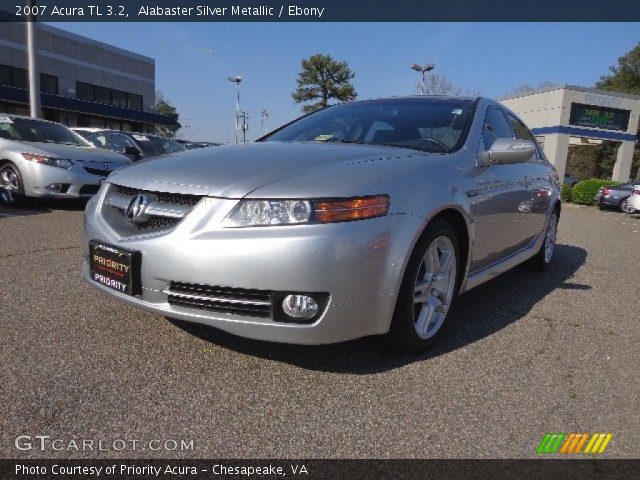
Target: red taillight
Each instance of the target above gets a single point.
(606, 191)
(636, 192)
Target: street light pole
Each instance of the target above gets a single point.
(264, 114)
(34, 69)
(422, 69)
(237, 79)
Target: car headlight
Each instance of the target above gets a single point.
(255, 213)
(51, 161)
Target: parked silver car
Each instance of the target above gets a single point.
(39, 158)
(363, 218)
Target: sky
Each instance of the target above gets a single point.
(193, 61)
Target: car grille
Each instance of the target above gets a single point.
(164, 197)
(233, 301)
(98, 171)
(89, 189)
(164, 210)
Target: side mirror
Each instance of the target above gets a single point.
(508, 150)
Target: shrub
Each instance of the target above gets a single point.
(565, 193)
(584, 192)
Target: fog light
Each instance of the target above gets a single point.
(299, 306)
(55, 187)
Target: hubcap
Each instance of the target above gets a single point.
(9, 185)
(626, 206)
(434, 287)
(550, 238)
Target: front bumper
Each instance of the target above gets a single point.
(77, 182)
(360, 265)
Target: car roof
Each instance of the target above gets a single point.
(25, 117)
(125, 132)
(420, 97)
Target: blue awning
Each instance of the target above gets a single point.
(20, 95)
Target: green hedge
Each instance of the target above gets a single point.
(584, 192)
(566, 193)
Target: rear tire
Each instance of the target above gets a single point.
(11, 185)
(543, 258)
(428, 291)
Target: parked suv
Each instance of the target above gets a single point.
(39, 158)
(135, 145)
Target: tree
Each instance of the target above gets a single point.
(322, 78)
(624, 77)
(435, 84)
(526, 88)
(162, 107)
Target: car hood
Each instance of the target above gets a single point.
(71, 152)
(235, 171)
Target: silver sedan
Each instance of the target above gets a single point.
(364, 218)
(39, 158)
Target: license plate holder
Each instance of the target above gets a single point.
(115, 267)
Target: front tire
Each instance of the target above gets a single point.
(626, 207)
(11, 185)
(428, 291)
(543, 258)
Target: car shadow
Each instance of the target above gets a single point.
(478, 314)
(42, 206)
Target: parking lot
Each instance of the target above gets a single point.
(525, 354)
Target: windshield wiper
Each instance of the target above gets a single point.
(343, 140)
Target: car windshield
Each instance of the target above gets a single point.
(152, 146)
(28, 130)
(166, 145)
(428, 124)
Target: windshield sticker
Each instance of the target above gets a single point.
(140, 137)
(323, 138)
(5, 120)
(457, 111)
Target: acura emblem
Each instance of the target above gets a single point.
(135, 209)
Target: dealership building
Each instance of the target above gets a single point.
(83, 83)
(566, 115)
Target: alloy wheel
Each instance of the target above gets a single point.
(626, 207)
(9, 185)
(434, 287)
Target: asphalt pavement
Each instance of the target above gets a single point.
(526, 354)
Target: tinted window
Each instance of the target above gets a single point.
(99, 140)
(37, 131)
(84, 91)
(20, 78)
(521, 131)
(119, 142)
(102, 95)
(5, 75)
(48, 84)
(118, 98)
(134, 101)
(428, 124)
(166, 145)
(495, 126)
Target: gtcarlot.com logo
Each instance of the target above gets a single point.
(574, 443)
(47, 443)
